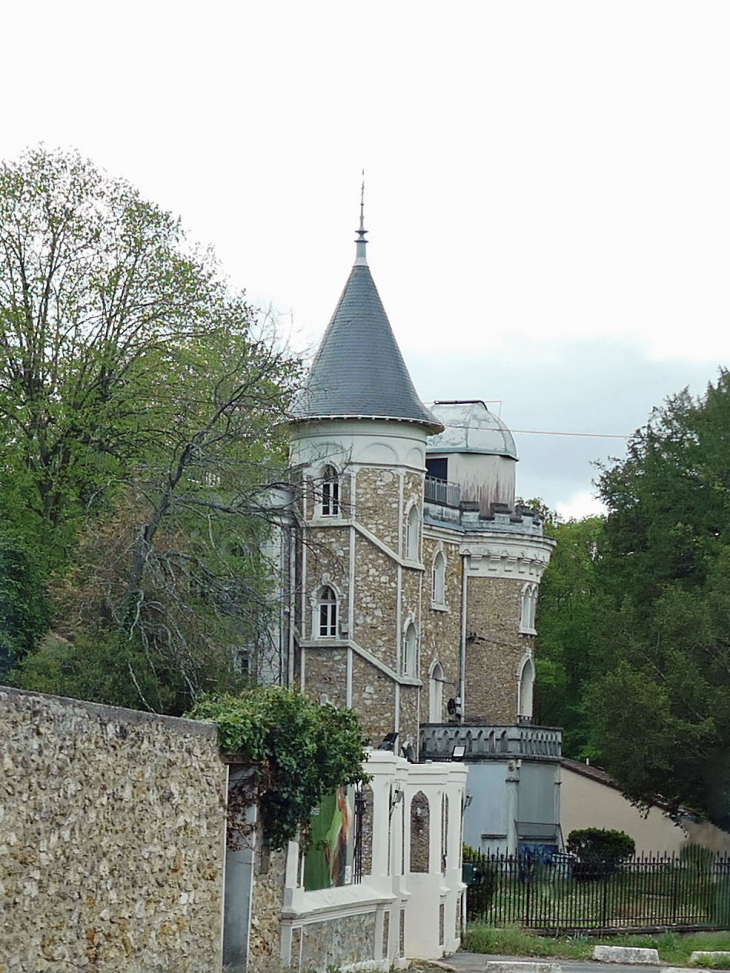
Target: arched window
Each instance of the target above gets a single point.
(527, 681)
(410, 650)
(528, 609)
(327, 628)
(330, 492)
(436, 693)
(438, 580)
(533, 608)
(413, 530)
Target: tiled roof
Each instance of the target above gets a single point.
(358, 370)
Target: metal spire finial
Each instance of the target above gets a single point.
(361, 242)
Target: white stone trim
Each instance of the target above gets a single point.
(527, 660)
(439, 552)
(399, 678)
(368, 535)
(518, 557)
(406, 546)
(528, 608)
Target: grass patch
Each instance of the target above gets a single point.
(674, 948)
(513, 941)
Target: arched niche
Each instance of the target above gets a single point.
(527, 682)
(436, 693)
(420, 833)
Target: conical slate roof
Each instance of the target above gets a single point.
(358, 371)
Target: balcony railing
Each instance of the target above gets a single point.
(489, 742)
(442, 491)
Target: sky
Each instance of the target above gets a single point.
(547, 191)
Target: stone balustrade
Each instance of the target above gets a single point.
(485, 742)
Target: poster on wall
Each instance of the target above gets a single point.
(328, 863)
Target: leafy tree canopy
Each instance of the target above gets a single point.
(141, 408)
(659, 711)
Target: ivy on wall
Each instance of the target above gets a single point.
(298, 750)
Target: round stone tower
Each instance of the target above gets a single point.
(358, 445)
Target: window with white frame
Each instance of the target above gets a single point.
(528, 609)
(438, 580)
(413, 531)
(330, 492)
(327, 621)
(410, 650)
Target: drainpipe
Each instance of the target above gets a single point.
(462, 647)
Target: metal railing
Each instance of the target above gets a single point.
(555, 892)
(441, 491)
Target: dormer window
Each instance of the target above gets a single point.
(330, 492)
(327, 613)
(438, 581)
(413, 531)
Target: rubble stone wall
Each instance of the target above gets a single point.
(441, 637)
(325, 675)
(373, 696)
(112, 827)
(378, 504)
(264, 948)
(343, 941)
(375, 601)
(493, 660)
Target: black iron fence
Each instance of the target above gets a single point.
(562, 893)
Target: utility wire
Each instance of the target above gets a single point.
(585, 435)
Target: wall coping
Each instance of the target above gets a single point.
(334, 903)
(117, 714)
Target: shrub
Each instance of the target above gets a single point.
(601, 845)
(297, 749)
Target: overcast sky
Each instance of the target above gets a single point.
(548, 191)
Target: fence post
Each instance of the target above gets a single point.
(604, 910)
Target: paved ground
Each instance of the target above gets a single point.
(474, 963)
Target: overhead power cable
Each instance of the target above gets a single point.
(586, 435)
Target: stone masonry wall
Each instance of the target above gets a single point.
(112, 826)
(264, 948)
(325, 675)
(343, 941)
(376, 504)
(492, 665)
(373, 696)
(441, 637)
(375, 601)
(411, 706)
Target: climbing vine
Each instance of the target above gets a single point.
(297, 749)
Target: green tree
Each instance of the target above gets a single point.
(660, 711)
(142, 406)
(567, 614)
(23, 605)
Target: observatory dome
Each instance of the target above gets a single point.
(471, 428)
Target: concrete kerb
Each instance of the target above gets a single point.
(712, 955)
(626, 955)
(500, 966)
